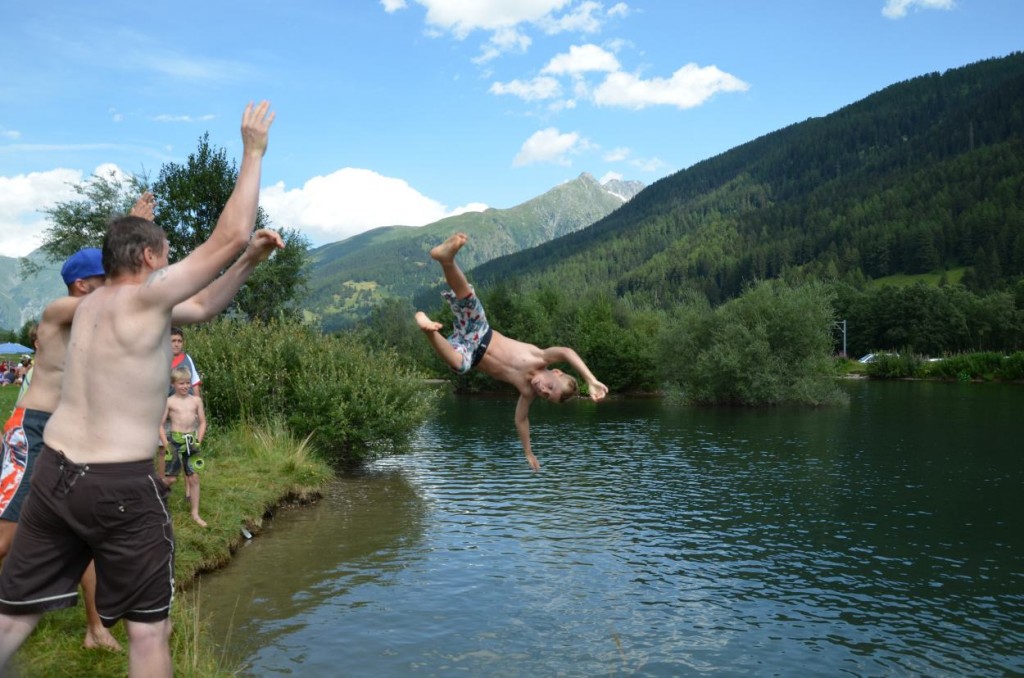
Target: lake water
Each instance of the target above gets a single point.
(885, 537)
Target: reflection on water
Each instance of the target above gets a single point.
(352, 538)
(880, 538)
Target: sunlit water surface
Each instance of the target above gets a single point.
(880, 538)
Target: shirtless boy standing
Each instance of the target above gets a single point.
(186, 419)
(96, 495)
(474, 343)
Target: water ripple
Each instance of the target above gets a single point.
(657, 542)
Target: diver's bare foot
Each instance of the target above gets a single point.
(426, 324)
(195, 517)
(446, 251)
(100, 639)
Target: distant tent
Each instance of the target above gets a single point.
(12, 347)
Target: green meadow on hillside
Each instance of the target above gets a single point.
(953, 277)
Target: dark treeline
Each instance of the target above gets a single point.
(931, 321)
(777, 335)
(926, 176)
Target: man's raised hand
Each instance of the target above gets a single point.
(263, 244)
(256, 121)
(143, 207)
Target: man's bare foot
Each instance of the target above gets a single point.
(426, 324)
(100, 638)
(446, 251)
(195, 517)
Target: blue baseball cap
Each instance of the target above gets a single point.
(85, 263)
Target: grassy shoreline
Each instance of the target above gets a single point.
(249, 472)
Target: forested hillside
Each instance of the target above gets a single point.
(922, 176)
(23, 299)
(349, 278)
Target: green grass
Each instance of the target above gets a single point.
(953, 276)
(8, 394)
(249, 470)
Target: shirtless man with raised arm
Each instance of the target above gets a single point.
(96, 470)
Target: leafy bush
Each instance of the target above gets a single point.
(987, 366)
(903, 365)
(1013, 367)
(619, 347)
(355, 402)
(770, 346)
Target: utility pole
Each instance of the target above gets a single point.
(842, 325)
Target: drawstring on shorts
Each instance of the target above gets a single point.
(70, 472)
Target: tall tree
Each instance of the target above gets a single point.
(190, 198)
(81, 222)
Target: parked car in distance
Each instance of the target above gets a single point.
(872, 357)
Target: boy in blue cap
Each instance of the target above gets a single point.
(23, 432)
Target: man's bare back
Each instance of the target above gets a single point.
(114, 385)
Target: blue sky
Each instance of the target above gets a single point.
(406, 111)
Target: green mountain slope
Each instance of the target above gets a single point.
(348, 278)
(23, 299)
(924, 175)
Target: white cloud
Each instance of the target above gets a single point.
(538, 88)
(648, 164)
(618, 10)
(10, 133)
(502, 41)
(508, 39)
(550, 145)
(188, 68)
(52, 148)
(579, 19)
(462, 18)
(23, 197)
(393, 5)
(897, 9)
(326, 209)
(508, 20)
(689, 86)
(617, 154)
(112, 172)
(350, 201)
(581, 59)
(166, 117)
(609, 176)
(562, 105)
(471, 207)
